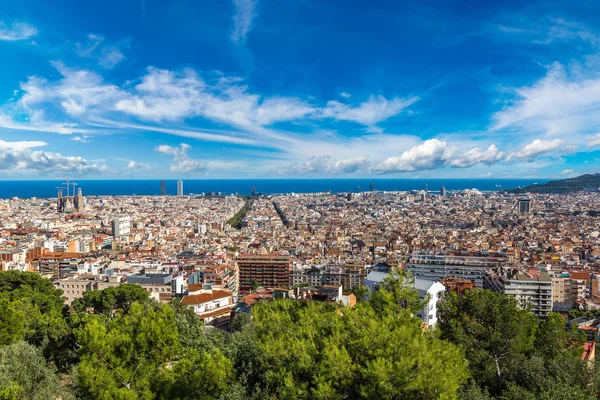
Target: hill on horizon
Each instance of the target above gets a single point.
(587, 182)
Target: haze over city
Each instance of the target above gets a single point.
(248, 88)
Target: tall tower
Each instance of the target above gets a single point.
(443, 191)
(79, 200)
(372, 186)
(180, 188)
(59, 199)
(163, 188)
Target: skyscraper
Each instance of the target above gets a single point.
(443, 191)
(253, 192)
(163, 188)
(372, 187)
(180, 188)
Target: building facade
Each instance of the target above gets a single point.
(259, 270)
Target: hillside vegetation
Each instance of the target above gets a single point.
(589, 182)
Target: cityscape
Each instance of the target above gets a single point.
(299, 200)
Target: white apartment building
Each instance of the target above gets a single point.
(433, 291)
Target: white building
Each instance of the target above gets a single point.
(433, 291)
(121, 226)
(209, 304)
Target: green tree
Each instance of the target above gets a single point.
(120, 357)
(12, 322)
(198, 376)
(553, 338)
(112, 300)
(240, 321)
(25, 375)
(495, 331)
(323, 351)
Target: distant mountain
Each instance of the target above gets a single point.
(589, 182)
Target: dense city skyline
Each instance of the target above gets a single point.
(249, 88)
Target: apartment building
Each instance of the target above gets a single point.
(436, 266)
(535, 290)
(263, 270)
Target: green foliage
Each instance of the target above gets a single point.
(320, 351)
(511, 354)
(120, 357)
(396, 295)
(236, 220)
(12, 322)
(240, 321)
(119, 344)
(198, 376)
(25, 375)
(494, 330)
(115, 299)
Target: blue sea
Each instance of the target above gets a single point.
(47, 188)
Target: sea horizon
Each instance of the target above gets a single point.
(149, 187)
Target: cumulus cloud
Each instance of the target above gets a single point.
(474, 156)
(80, 139)
(319, 165)
(312, 165)
(18, 157)
(182, 163)
(242, 20)
(567, 172)
(431, 154)
(16, 31)
(535, 149)
(134, 165)
(350, 165)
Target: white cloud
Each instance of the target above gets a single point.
(594, 140)
(242, 19)
(182, 163)
(176, 152)
(368, 113)
(80, 139)
(17, 31)
(474, 156)
(134, 165)
(431, 154)
(24, 145)
(188, 165)
(79, 92)
(559, 103)
(535, 149)
(567, 172)
(345, 95)
(281, 109)
(18, 158)
(311, 166)
(350, 165)
(108, 56)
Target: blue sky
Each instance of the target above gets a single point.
(307, 88)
